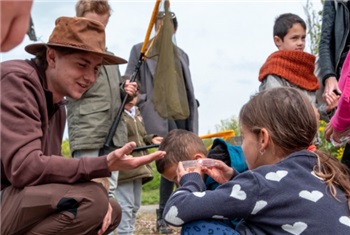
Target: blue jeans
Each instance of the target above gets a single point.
(208, 227)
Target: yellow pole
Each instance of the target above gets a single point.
(223, 134)
(150, 26)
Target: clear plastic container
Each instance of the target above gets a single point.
(191, 165)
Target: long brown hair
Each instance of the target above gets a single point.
(290, 119)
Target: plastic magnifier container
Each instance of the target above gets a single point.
(191, 165)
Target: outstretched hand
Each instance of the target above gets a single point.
(120, 160)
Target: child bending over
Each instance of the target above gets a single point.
(182, 145)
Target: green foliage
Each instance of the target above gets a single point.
(207, 142)
(65, 151)
(150, 190)
(326, 146)
(229, 124)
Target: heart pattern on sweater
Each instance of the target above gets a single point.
(313, 196)
(238, 193)
(171, 216)
(276, 176)
(199, 194)
(258, 206)
(218, 217)
(345, 220)
(296, 229)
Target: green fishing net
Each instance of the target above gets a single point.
(170, 95)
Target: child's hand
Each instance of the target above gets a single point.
(181, 171)
(157, 140)
(332, 102)
(220, 172)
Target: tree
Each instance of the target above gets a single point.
(313, 23)
(229, 124)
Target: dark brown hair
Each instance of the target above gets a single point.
(40, 57)
(284, 22)
(179, 145)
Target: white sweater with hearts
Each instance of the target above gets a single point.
(284, 198)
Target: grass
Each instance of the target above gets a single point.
(150, 190)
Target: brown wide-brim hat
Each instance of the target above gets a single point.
(81, 34)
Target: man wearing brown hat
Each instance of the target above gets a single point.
(42, 192)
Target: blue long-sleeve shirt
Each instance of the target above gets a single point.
(284, 198)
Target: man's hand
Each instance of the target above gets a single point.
(120, 160)
(130, 87)
(107, 220)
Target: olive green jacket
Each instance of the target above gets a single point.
(91, 116)
(137, 133)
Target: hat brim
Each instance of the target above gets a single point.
(108, 59)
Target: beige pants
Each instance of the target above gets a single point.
(56, 209)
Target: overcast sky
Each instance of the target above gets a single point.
(227, 43)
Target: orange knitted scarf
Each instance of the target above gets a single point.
(296, 67)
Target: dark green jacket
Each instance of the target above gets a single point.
(137, 133)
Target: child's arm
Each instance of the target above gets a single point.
(272, 81)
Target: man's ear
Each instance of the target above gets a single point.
(264, 138)
(50, 57)
(278, 41)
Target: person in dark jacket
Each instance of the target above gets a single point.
(333, 48)
(41, 191)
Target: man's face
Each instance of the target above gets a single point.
(294, 40)
(72, 74)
